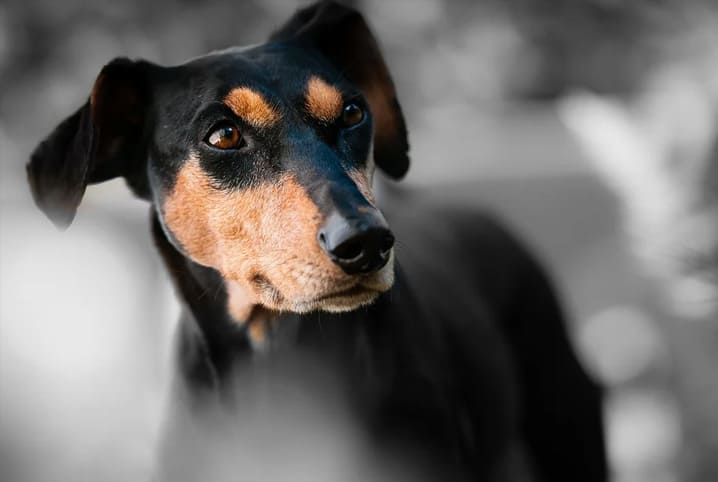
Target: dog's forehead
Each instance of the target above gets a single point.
(280, 76)
(277, 70)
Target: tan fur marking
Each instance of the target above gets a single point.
(240, 302)
(263, 241)
(95, 94)
(186, 210)
(244, 309)
(252, 107)
(258, 333)
(362, 182)
(323, 101)
(260, 327)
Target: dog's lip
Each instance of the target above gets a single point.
(357, 289)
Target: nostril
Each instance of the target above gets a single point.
(322, 239)
(386, 244)
(349, 251)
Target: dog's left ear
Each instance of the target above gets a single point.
(341, 35)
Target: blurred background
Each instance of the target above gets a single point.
(589, 125)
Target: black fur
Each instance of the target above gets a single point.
(464, 356)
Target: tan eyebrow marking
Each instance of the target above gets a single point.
(252, 107)
(323, 101)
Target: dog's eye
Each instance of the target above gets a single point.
(225, 136)
(352, 115)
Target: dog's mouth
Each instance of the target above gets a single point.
(354, 291)
(306, 293)
(360, 293)
(340, 301)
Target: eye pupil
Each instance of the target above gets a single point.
(225, 137)
(352, 115)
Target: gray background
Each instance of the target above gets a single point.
(588, 125)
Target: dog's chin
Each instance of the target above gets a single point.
(341, 302)
(363, 293)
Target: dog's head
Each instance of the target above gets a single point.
(258, 161)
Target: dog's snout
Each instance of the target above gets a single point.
(358, 246)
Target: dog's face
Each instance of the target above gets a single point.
(273, 145)
(258, 161)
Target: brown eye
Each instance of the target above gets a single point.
(352, 115)
(225, 136)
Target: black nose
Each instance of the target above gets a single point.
(358, 246)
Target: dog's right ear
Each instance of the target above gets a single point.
(105, 138)
(342, 36)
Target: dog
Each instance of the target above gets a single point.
(258, 164)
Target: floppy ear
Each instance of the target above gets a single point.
(343, 37)
(104, 139)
